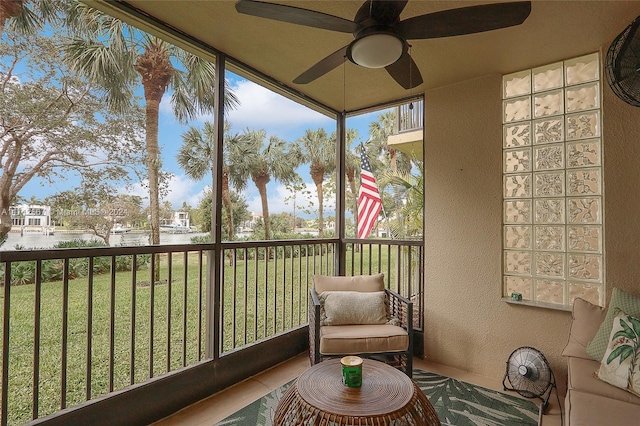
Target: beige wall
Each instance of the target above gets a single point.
(466, 324)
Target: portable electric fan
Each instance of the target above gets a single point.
(530, 375)
(622, 64)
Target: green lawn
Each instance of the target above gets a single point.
(263, 299)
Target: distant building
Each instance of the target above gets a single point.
(181, 222)
(245, 228)
(31, 217)
(182, 219)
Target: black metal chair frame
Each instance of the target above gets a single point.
(399, 307)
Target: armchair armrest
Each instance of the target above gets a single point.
(314, 327)
(401, 308)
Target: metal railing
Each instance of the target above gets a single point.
(402, 262)
(410, 116)
(81, 323)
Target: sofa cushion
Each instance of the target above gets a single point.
(352, 307)
(361, 339)
(586, 409)
(620, 358)
(587, 318)
(581, 378)
(619, 300)
(324, 283)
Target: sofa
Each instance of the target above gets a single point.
(591, 400)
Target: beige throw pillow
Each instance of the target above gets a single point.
(323, 283)
(620, 366)
(352, 307)
(587, 319)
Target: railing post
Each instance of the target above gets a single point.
(4, 404)
(214, 260)
(341, 255)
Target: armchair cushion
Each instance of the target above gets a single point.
(324, 283)
(352, 307)
(352, 339)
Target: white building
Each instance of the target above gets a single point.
(32, 217)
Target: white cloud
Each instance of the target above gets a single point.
(260, 108)
(180, 189)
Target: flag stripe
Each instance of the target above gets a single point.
(369, 202)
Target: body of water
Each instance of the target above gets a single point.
(35, 240)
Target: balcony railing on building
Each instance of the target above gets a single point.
(410, 116)
(80, 324)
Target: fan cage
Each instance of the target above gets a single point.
(540, 389)
(622, 68)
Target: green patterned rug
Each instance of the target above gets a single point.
(457, 403)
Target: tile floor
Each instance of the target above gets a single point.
(215, 408)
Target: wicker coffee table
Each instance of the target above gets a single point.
(387, 396)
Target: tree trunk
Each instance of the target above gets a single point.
(154, 66)
(9, 9)
(352, 184)
(317, 175)
(5, 216)
(226, 200)
(392, 157)
(261, 184)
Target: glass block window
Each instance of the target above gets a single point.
(552, 183)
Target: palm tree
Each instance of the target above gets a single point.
(197, 156)
(116, 56)
(251, 158)
(379, 132)
(28, 19)
(319, 150)
(352, 167)
(409, 220)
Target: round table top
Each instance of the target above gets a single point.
(384, 389)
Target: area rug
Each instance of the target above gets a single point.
(457, 403)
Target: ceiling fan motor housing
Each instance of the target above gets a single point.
(376, 47)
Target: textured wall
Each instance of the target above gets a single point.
(621, 126)
(466, 324)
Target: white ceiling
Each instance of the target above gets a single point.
(555, 30)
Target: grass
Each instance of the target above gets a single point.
(261, 299)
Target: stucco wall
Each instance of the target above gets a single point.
(466, 324)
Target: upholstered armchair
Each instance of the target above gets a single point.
(359, 316)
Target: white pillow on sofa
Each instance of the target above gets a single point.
(352, 308)
(619, 364)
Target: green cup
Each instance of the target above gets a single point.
(351, 371)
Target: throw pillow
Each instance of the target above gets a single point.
(619, 366)
(323, 283)
(352, 307)
(622, 300)
(587, 319)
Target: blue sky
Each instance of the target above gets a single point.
(259, 108)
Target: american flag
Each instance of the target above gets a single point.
(369, 202)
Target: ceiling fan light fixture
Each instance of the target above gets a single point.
(376, 50)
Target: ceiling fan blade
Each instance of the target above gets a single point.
(381, 12)
(323, 66)
(296, 15)
(465, 20)
(405, 72)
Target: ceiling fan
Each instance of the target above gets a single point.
(381, 37)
